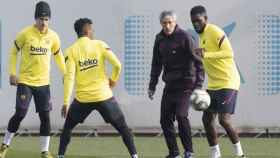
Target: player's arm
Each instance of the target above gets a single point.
(199, 70)
(156, 69)
(116, 64)
(13, 60)
(156, 66)
(17, 46)
(223, 43)
(69, 77)
(58, 55)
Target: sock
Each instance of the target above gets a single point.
(238, 149)
(44, 143)
(8, 138)
(60, 156)
(134, 156)
(215, 151)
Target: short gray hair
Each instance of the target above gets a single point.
(165, 13)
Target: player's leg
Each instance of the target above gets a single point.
(184, 127)
(225, 121)
(77, 113)
(228, 102)
(65, 137)
(111, 113)
(208, 119)
(167, 118)
(43, 107)
(209, 123)
(23, 98)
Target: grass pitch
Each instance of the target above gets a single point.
(148, 147)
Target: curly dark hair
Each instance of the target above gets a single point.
(79, 24)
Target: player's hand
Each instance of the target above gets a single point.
(13, 80)
(200, 51)
(64, 111)
(112, 83)
(151, 94)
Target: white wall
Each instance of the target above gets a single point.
(108, 18)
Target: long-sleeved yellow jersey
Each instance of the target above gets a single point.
(85, 65)
(218, 59)
(36, 49)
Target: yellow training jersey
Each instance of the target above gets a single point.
(85, 63)
(218, 59)
(35, 52)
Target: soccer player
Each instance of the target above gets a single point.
(182, 73)
(36, 44)
(223, 80)
(85, 63)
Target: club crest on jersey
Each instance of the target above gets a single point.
(87, 64)
(204, 41)
(38, 50)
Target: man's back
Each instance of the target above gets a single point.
(85, 61)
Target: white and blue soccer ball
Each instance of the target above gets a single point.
(200, 100)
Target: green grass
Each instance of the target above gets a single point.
(148, 147)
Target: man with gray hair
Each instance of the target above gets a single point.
(182, 73)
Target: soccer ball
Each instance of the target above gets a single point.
(200, 100)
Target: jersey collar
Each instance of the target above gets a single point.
(83, 38)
